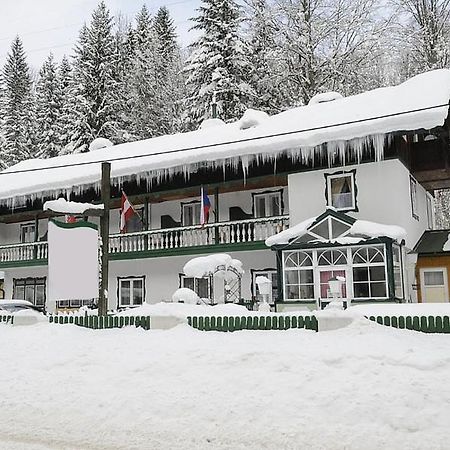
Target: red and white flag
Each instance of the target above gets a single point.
(126, 212)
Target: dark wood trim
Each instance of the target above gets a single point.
(131, 277)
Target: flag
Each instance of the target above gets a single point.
(126, 212)
(204, 208)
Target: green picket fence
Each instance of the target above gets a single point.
(103, 322)
(235, 323)
(426, 324)
(6, 319)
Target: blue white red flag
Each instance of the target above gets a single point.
(204, 208)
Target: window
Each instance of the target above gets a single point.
(298, 276)
(201, 286)
(398, 276)
(369, 272)
(430, 220)
(27, 231)
(73, 303)
(413, 192)
(271, 274)
(131, 291)
(135, 223)
(190, 213)
(30, 289)
(341, 191)
(267, 204)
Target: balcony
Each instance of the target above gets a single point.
(215, 237)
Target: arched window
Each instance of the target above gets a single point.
(298, 276)
(332, 258)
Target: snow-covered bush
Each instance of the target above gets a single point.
(186, 295)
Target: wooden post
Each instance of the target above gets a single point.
(36, 235)
(216, 215)
(104, 233)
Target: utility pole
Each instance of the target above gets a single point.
(104, 234)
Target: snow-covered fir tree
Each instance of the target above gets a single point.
(219, 64)
(49, 96)
(266, 57)
(95, 76)
(17, 107)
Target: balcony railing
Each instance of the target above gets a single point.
(221, 233)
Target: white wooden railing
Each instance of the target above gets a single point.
(23, 252)
(242, 231)
(221, 233)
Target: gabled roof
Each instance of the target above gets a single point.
(352, 123)
(333, 227)
(433, 242)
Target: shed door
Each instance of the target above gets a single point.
(434, 285)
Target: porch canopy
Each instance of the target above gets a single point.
(367, 255)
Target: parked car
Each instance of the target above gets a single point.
(13, 306)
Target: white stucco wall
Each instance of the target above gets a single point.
(383, 195)
(161, 275)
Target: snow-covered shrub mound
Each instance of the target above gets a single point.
(185, 295)
(211, 123)
(325, 97)
(252, 118)
(204, 266)
(99, 143)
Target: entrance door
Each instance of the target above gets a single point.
(434, 285)
(325, 276)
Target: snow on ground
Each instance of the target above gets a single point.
(404, 309)
(363, 387)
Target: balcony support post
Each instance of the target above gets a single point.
(36, 236)
(216, 216)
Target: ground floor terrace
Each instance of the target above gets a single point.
(186, 389)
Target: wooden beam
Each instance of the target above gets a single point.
(104, 233)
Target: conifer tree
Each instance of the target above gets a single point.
(68, 106)
(218, 65)
(17, 107)
(49, 110)
(95, 80)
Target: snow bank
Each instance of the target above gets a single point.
(362, 387)
(185, 295)
(404, 309)
(252, 118)
(186, 309)
(325, 97)
(204, 266)
(218, 147)
(99, 143)
(211, 123)
(63, 206)
(374, 230)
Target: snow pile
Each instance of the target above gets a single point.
(204, 266)
(362, 387)
(186, 309)
(185, 295)
(99, 143)
(325, 97)
(299, 133)
(294, 232)
(375, 230)
(403, 309)
(63, 206)
(211, 123)
(446, 247)
(252, 118)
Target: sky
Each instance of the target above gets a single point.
(52, 25)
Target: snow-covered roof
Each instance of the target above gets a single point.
(358, 231)
(64, 207)
(230, 144)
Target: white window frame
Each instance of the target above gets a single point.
(267, 196)
(196, 217)
(423, 270)
(430, 211)
(34, 282)
(263, 273)
(132, 280)
(329, 178)
(31, 227)
(196, 289)
(413, 195)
